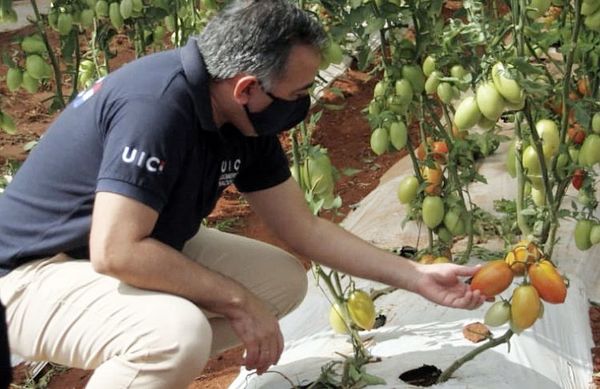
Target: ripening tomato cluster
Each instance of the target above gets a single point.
(358, 310)
(392, 97)
(491, 98)
(541, 281)
(36, 68)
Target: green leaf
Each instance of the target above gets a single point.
(374, 25)
(370, 379)
(349, 172)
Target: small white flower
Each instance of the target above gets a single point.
(8, 178)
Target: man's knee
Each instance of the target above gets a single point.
(181, 343)
(292, 285)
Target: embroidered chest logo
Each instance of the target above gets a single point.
(142, 160)
(229, 170)
(83, 96)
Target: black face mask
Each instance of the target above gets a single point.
(279, 116)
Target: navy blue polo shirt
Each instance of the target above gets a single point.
(145, 131)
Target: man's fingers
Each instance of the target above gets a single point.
(465, 271)
(252, 355)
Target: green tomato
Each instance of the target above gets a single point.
(561, 165)
(497, 314)
(539, 7)
(574, 154)
(138, 5)
(114, 14)
(380, 89)
(589, 7)
(374, 107)
(338, 318)
(407, 189)
(361, 309)
(30, 84)
(318, 173)
(595, 234)
(538, 196)
(14, 79)
(404, 91)
(549, 134)
(126, 8)
(428, 65)
(444, 234)
(101, 8)
(506, 86)
(396, 104)
(467, 114)
(433, 81)
(454, 222)
(582, 231)
(596, 122)
(33, 45)
(36, 66)
(445, 92)
(87, 18)
(170, 25)
(64, 23)
(158, 34)
(398, 135)
(415, 76)
(380, 141)
(489, 101)
(531, 161)
(593, 21)
(511, 160)
(458, 71)
(433, 211)
(589, 154)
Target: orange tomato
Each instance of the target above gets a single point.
(420, 152)
(525, 307)
(548, 282)
(492, 278)
(583, 86)
(576, 134)
(427, 259)
(439, 149)
(433, 177)
(459, 134)
(521, 256)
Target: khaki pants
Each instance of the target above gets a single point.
(61, 310)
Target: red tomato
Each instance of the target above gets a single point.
(578, 177)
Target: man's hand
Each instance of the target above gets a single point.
(442, 284)
(259, 330)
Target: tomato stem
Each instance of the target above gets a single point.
(492, 342)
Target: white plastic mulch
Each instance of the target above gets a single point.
(554, 353)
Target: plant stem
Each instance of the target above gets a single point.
(521, 222)
(446, 374)
(55, 65)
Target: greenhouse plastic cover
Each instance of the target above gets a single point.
(554, 353)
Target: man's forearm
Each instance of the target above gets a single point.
(150, 264)
(331, 245)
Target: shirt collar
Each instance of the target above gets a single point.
(198, 78)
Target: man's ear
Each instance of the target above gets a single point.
(242, 88)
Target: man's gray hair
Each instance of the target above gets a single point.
(255, 37)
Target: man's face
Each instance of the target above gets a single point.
(301, 70)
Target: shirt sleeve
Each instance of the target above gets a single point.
(144, 149)
(269, 166)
